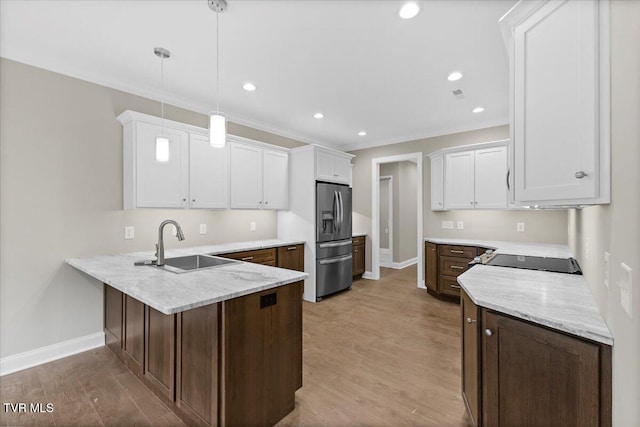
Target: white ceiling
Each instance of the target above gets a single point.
(355, 61)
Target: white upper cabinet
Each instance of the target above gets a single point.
(208, 174)
(333, 166)
(470, 177)
(437, 183)
(259, 177)
(560, 101)
(275, 186)
(491, 178)
(458, 182)
(245, 174)
(149, 183)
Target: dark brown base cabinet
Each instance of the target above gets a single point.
(234, 363)
(358, 256)
(443, 264)
(517, 373)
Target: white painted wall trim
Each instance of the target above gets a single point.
(375, 214)
(368, 275)
(402, 264)
(41, 355)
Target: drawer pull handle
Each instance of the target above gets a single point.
(470, 320)
(268, 300)
(457, 267)
(292, 248)
(247, 258)
(456, 252)
(455, 286)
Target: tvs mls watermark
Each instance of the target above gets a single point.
(21, 407)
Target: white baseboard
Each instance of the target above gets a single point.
(41, 355)
(399, 265)
(368, 275)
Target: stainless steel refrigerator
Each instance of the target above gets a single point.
(333, 239)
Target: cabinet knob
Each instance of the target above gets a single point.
(488, 332)
(580, 174)
(193, 200)
(471, 202)
(266, 203)
(470, 320)
(184, 200)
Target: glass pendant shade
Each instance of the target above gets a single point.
(217, 130)
(162, 149)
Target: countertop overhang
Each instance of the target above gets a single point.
(172, 293)
(556, 300)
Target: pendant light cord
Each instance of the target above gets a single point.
(217, 64)
(162, 95)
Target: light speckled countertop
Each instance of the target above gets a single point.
(171, 293)
(560, 301)
(359, 234)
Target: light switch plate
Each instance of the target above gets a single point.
(606, 269)
(252, 226)
(460, 225)
(203, 228)
(447, 225)
(626, 294)
(520, 226)
(129, 232)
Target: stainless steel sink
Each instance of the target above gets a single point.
(184, 264)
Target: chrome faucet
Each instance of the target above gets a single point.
(160, 244)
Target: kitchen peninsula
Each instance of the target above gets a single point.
(221, 345)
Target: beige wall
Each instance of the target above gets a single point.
(548, 226)
(385, 226)
(405, 224)
(61, 196)
(615, 228)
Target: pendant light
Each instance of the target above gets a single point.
(162, 142)
(217, 122)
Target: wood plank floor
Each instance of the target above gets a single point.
(384, 353)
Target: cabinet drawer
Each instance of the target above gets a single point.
(448, 286)
(457, 251)
(358, 240)
(451, 266)
(260, 256)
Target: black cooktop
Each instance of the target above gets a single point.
(557, 265)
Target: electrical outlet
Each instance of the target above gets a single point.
(447, 225)
(520, 227)
(626, 295)
(460, 225)
(129, 232)
(607, 269)
(252, 226)
(203, 228)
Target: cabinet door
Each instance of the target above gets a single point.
(275, 184)
(161, 184)
(133, 342)
(208, 174)
(459, 173)
(556, 134)
(342, 169)
(358, 260)
(324, 166)
(437, 183)
(470, 356)
(246, 176)
(159, 355)
(532, 373)
(431, 267)
(113, 324)
(491, 178)
(291, 257)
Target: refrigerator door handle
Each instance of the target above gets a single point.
(339, 221)
(336, 211)
(341, 209)
(334, 260)
(334, 245)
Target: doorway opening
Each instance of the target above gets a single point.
(377, 230)
(386, 220)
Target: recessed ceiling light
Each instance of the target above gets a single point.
(362, 133)
(478, 110)
(409, 10)
(249, 87)
(456, 75)
(318, 115)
